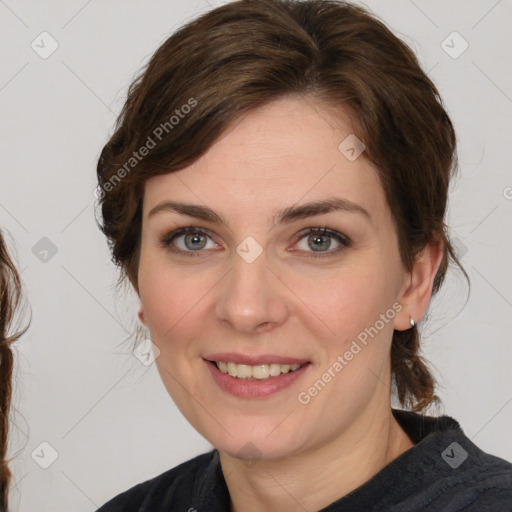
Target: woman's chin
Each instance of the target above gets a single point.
(252, 449)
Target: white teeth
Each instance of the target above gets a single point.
(275, 370)
(260, 371)
(244, 371)
(232, 367)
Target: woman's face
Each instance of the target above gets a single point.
(259, 288)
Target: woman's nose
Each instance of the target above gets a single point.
(251, 297)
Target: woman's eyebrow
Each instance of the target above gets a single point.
(285, 216)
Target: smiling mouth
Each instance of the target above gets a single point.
(255, 372)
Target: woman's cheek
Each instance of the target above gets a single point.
(168, 296)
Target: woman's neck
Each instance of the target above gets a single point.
(321, 475)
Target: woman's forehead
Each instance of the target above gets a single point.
(287, 148)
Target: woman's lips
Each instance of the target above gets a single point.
(254, 388)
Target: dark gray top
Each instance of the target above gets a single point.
(444, 472)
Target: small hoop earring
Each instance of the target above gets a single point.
(412, 322)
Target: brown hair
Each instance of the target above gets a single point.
(10, 298)
(248, 53)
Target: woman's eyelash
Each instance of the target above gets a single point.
(344, 241)
(169, 238)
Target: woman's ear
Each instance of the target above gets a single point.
(417, 287)
(141, 315)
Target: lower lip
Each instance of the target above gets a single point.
(254, 388)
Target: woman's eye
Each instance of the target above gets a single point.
(319, 241)
(191, 241)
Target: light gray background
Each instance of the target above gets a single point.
(78, 387)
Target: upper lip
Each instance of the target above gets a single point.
(254, 360)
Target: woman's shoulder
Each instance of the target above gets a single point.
(172, 486)
(444, 470)
(485, 479)
(447, 471)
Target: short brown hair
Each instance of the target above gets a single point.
(248, 53)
